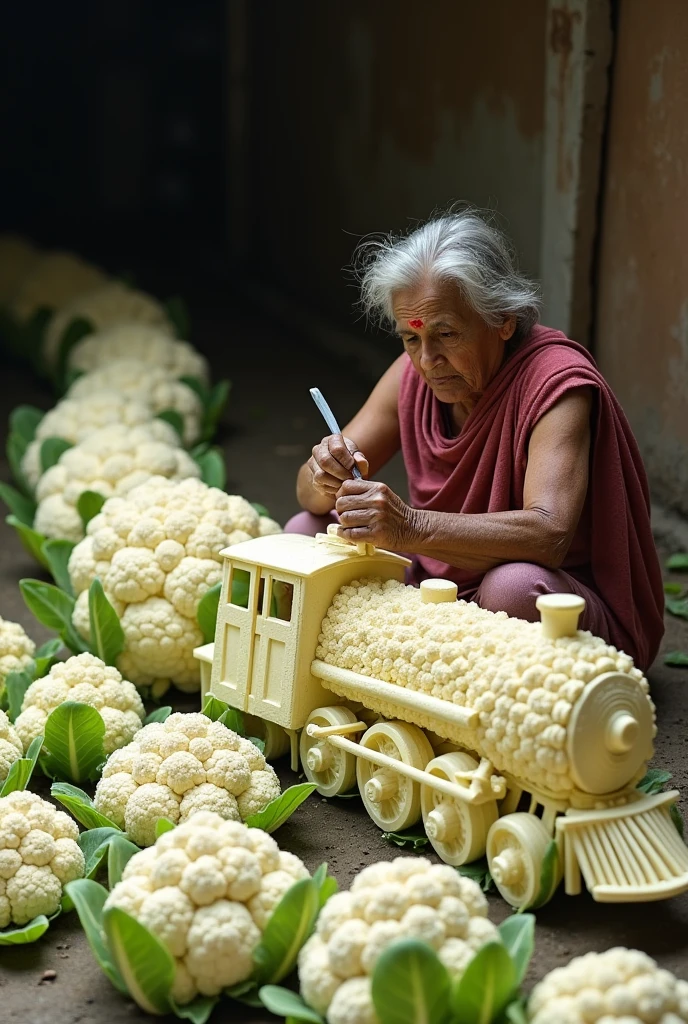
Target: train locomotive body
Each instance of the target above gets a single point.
(440, 710)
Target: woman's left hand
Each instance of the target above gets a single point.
(369, 511)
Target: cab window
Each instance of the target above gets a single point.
(241, 582)
(282, 600)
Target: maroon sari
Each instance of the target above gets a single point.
(483, 470)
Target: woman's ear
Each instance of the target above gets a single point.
(507, 329)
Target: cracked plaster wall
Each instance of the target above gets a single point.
(641, 337)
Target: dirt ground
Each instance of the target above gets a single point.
(269, 428)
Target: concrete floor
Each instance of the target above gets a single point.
(269, 429)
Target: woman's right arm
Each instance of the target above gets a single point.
(370, 440)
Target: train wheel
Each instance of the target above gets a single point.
(273, 736)
(457, 830)
(516, 847)
(391, 800)
(332, 770)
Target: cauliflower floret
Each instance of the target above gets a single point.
(275, 884)
(406, 898)
(182, 768)
(10, 746)
(74, 419)
(263, 788)
(110, 461)
(53, 280)
(168, 913)
(190, 579)
(352, 1003)
(113, 794)
(16, 649)
(38, 855)
(267, 527)
(103, 305)
(619, 984)
(150, 384)
(157, 552)
(317, 982)
(208, 797)
(88, 680)
(194, 889)
(145, 806)
(139, 341)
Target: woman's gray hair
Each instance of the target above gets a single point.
(457, 246)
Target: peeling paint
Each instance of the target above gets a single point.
(562, 22)
(657, 78)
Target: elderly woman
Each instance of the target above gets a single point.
(524, 476)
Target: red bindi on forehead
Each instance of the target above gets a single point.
(416, 323)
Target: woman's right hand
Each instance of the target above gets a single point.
(333, 461)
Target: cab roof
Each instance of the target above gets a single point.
(303, 556)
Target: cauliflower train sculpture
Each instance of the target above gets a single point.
(450, 713)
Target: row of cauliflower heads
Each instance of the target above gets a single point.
(155, 546)
(208, 887)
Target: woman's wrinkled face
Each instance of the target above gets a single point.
(451, 347)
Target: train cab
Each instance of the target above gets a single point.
(275, 593)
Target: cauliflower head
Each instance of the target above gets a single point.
(53, 280)
(619, 984)
(89, 680)
(132, 340)
(110, 461)
(103, 305)
(75, 418)
(176, 768)
(408, 897)
(17, 256)
(267, 527)
(157, 552)
(10, 746)
(137, 378)
(16, 649)
(207, 890)
(38, 856)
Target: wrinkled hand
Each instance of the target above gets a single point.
(369, 511)
(333, 461)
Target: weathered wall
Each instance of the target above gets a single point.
(365, 116)
(642, 322)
